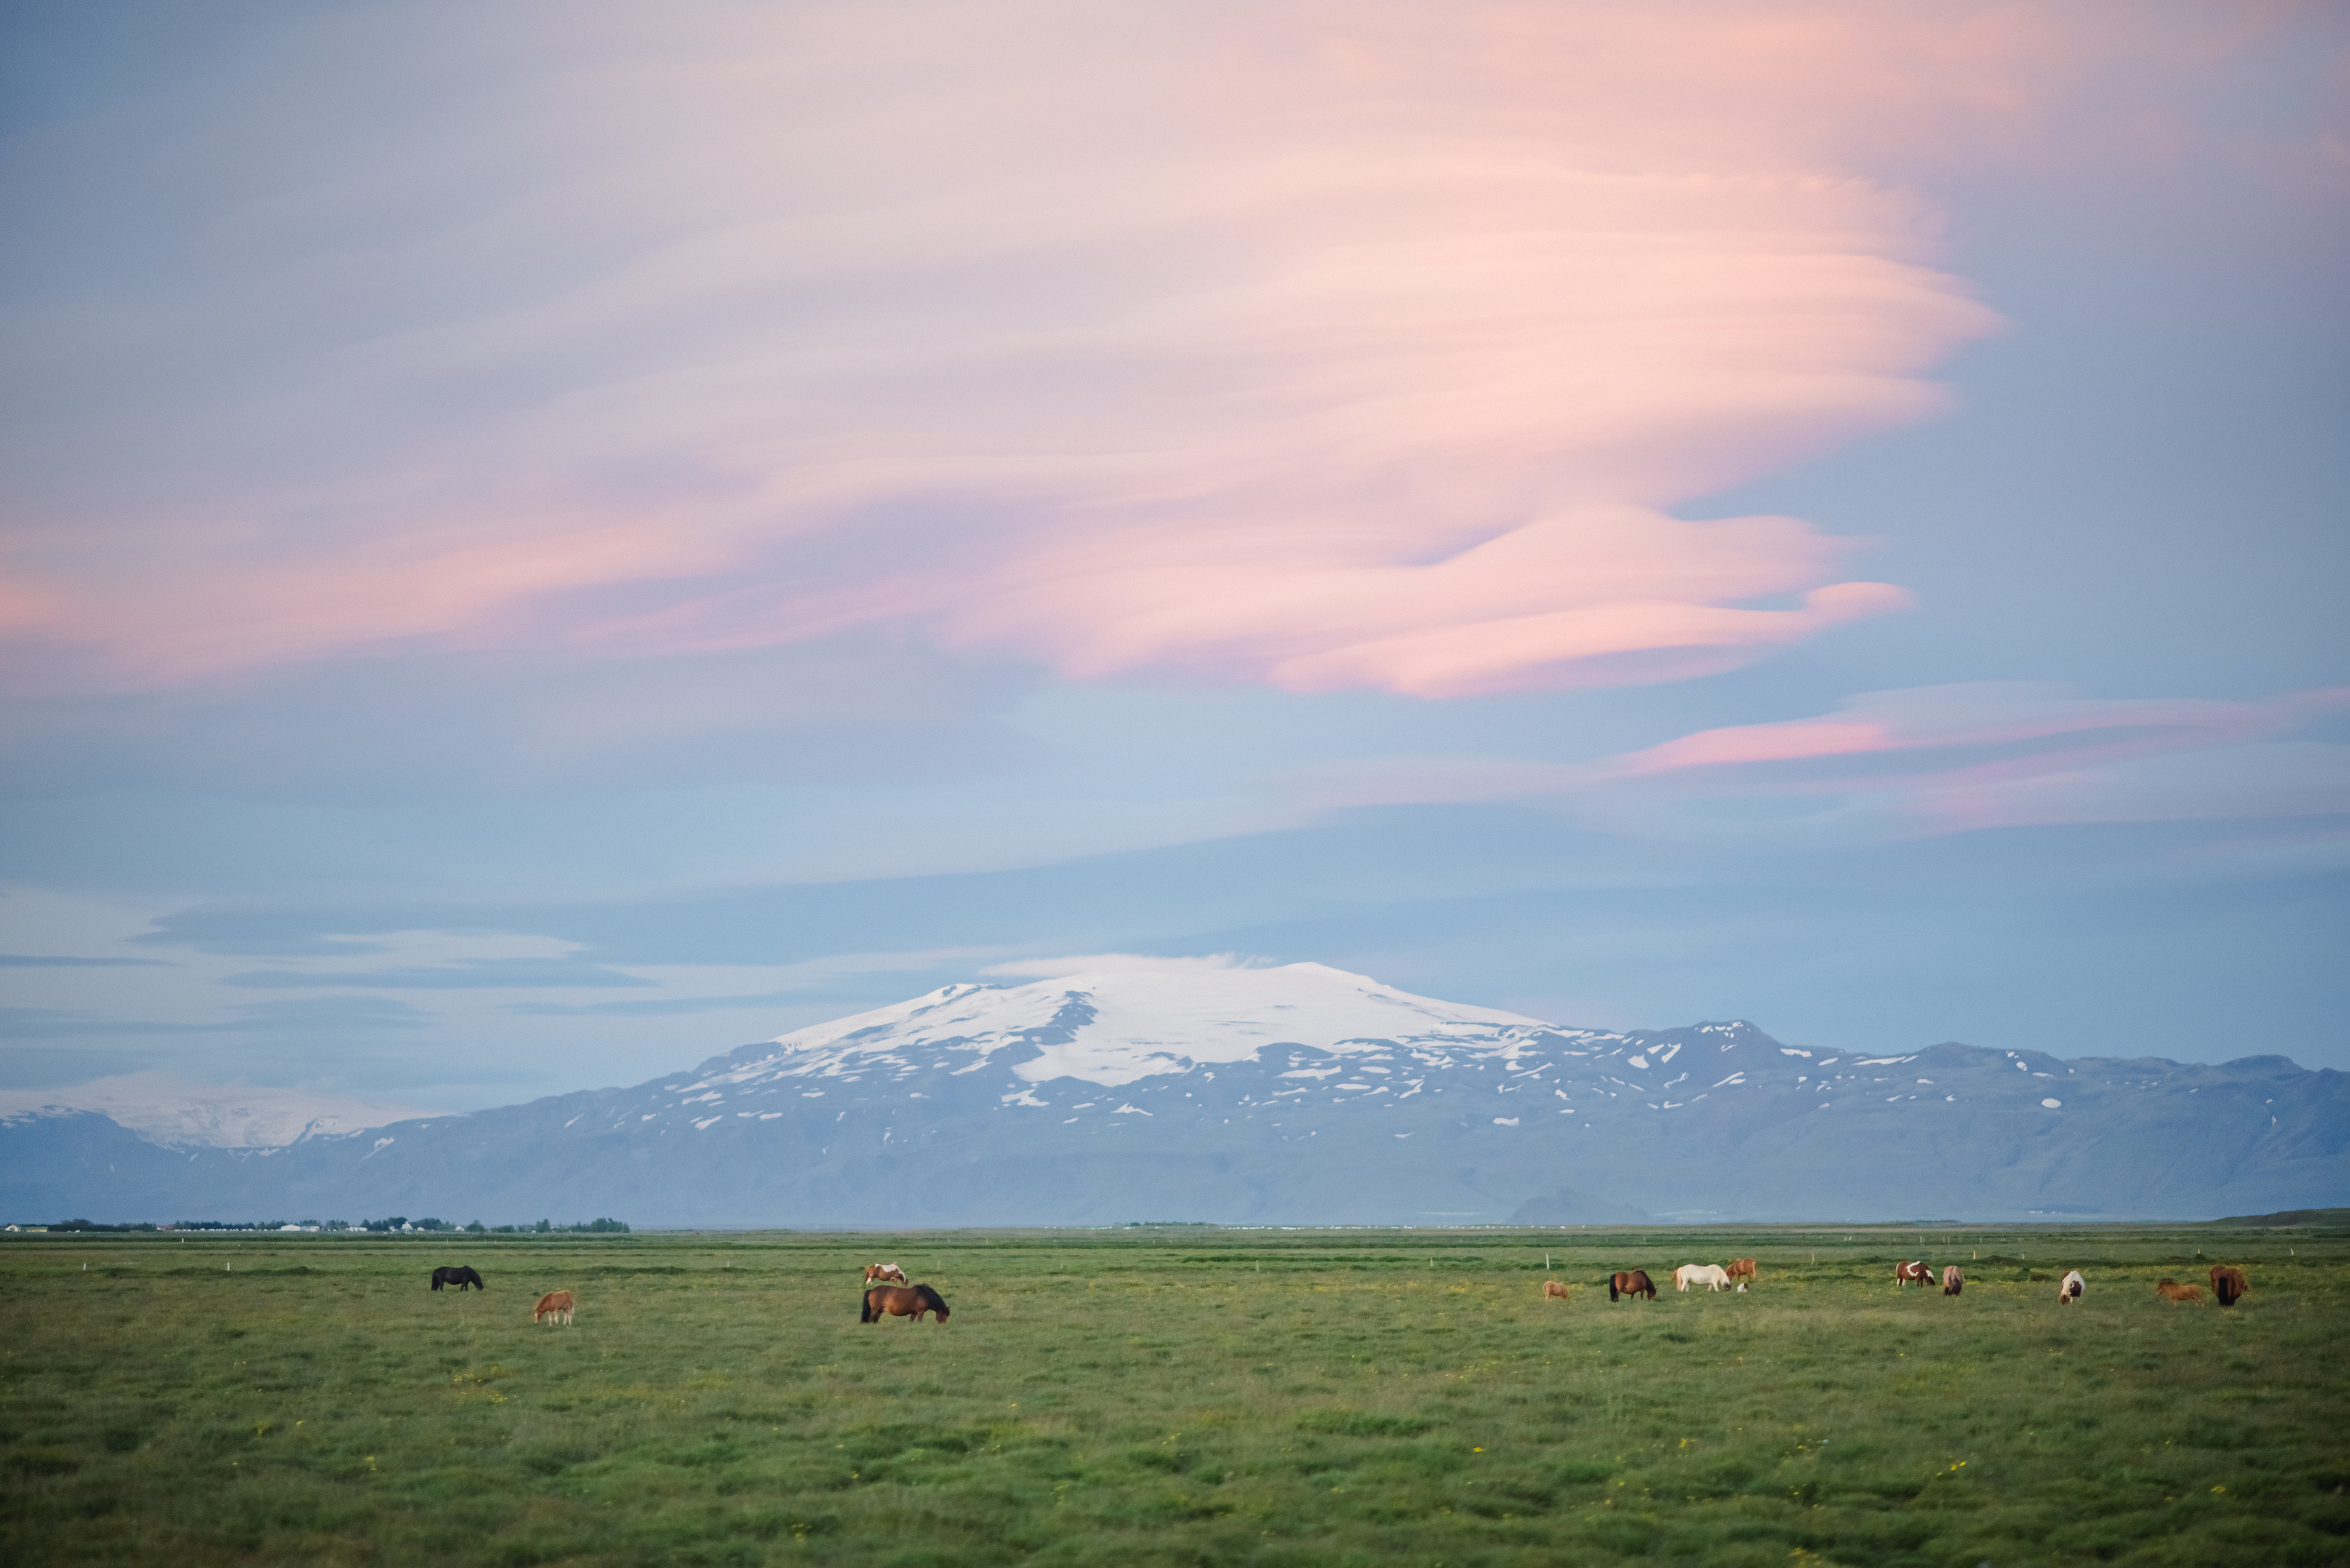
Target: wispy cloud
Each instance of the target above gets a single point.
(1120, 963)
(1317, 347)
(312, 1016)
(2003, 754)
(1937, 759)
(477, 974)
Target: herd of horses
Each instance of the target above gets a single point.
(904, 1299)
(911, 1299)
(2229, 1285)
(1736, 1275)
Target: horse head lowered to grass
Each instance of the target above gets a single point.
(1631, 1283)
(901, 1301)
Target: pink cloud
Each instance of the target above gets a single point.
(1937, 758)
(1317, 347)
(1985, 730)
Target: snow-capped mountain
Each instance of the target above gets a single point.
(1115, 1026)
(1293, 1095)
(1145, 1030)
(177, 1114)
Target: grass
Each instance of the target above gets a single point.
(1179, 1396)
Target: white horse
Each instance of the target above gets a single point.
(1712, 1276)
(2070, 1291)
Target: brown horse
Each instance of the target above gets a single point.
(1743, 1269)
(2229, 1285)
(901, 1301)
(1953, 1282)
(1912, 1274)
(554, 1305)
(1631, 1283)
(2172, 1290)
(1553, 1290)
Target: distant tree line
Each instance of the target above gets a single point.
(545, 1227)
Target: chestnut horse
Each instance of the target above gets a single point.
(1743, 1269)
(2172, 1290)
(901, 1301)
(1553, 1290)
(554, 1305)
(1631, 1283)
(2229, 1285)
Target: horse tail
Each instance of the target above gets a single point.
(1611, 1286)
(865, 1303)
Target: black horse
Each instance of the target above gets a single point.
(462, 1278)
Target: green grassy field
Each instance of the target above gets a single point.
(1175, 1396)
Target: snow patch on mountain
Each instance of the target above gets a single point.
(177, 1114)
(1115, 1026)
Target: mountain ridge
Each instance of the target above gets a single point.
(1292, 1094)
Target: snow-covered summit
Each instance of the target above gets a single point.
(1114, 1025)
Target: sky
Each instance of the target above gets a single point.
(541, 543)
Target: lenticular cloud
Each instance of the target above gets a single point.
(1318, 348)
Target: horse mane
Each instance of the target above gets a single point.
(930, 1299)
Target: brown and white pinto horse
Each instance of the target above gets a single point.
(1631, 1283)
(554, 1306)
(884, 1271)
(901, 1301)
(2229, 1285)
(1912, 1274)
(2069, 1288)
(1553, 1290)
(2172, 1290)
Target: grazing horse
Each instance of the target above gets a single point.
(1912, 1274)
(1553, 1290)
(2172, 1290)
(1743, 1269)
(1631, 1283)
(2229, 1285)
(554, 1305)
(1953, 1282)
(462, 1278)
(1712, 1276)
(884, 1271)
(2069, 1290)
(901, 1301)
